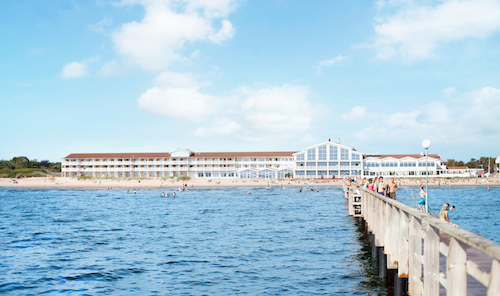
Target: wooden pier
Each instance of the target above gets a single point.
(427, 256)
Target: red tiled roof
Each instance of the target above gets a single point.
(116, 155)
(399, 156)
(201, 154)
(244, 154)
(458, 168)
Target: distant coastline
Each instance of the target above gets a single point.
(112, 183)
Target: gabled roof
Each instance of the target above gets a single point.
(116, 155)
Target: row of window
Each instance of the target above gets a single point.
(325, 151)
(184, 159)
(325, 173)
(331, 163)
(392, 164)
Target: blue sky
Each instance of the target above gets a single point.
(234, 75)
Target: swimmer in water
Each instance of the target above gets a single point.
(173, 195)
(300, 189)
(248, 192)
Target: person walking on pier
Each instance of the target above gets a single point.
(421, 203)
(392, 189)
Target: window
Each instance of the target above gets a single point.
(200, 175)
(311, 173)
(300, 156)
(333, 153)
(322, 153)
(322, 163)
(356, 156)
(262, 159)
(344, 154)
(344, 163)
(301, 173)
(372, 164)
(334, 163)
(300, 164)
(311, 164)
(355, 163)
(311, 154)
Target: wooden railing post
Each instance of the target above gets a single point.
(431, 260)
(456, 269)
(494, 286)
(415, 257)
(394, 258)
(404, 238)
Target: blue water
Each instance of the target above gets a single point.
(477, 208)
(203, 242)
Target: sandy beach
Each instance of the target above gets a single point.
(102, 183)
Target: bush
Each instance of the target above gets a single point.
(184, 178)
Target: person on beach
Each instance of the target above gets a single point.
(421, 202)
(381, 186)
(443, 214)
(392, 189)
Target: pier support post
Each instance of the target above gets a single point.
(400, 285)
(382, 264)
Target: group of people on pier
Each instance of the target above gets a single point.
(378, 185)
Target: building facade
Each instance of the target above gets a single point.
(325, 160)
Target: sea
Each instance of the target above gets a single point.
(207, 241)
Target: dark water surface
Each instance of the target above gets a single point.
(203, 242)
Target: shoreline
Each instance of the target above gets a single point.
(62, 182)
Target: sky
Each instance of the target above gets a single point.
(104, 76)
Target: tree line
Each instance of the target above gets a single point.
(22, 166)
(486, 163)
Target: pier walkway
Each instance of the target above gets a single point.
(426, 255)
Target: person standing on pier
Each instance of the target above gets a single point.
(392, 189)
(381, 186)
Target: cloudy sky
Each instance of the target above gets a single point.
(233, 75)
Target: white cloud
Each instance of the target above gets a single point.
(219, 126)
(330, 62)
(74, 70)
(112, 68)
(356, 113)
(416, 31)
(468, 117)
(267, 114)
(156, 41)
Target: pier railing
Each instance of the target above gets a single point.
(425, 250)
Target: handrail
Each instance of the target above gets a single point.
(404, 232)
(470, 238)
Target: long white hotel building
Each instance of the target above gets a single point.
(325, 160)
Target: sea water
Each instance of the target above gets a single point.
(208, 241)
(477, 208)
